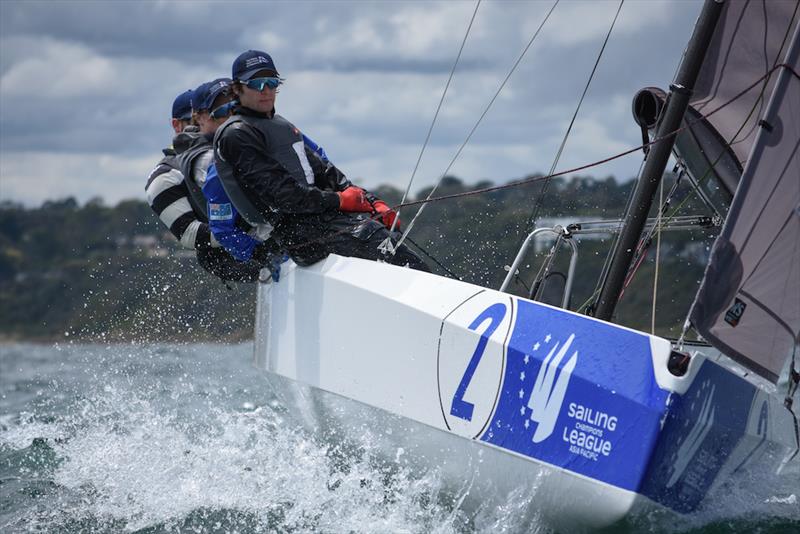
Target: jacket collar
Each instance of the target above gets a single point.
(241, 110)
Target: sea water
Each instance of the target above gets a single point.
(190, 438)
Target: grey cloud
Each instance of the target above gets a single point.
(162, 48)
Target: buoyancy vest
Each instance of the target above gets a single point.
(168, 163)
(198, 146)
(283, 143)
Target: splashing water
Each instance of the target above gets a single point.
(170, 439)
(191, 439)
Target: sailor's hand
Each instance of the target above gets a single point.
(387, 215)
(354, 199)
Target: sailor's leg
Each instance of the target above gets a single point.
(358, 236)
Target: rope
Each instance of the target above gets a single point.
(645, 242)
(535, 212)
(474, 128)
(436, 115)
(643, 246)
(437, 262)
(756, 103)
(794, 380)
(533, 179)
(658, 258)
(609, 255)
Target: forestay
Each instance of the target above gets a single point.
(749, 302)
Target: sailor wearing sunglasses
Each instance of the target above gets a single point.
(272, 176)
(212, 103)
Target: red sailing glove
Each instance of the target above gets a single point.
(353, 199)
(387, 215)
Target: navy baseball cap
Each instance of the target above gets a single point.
(249, 63)
(182, 106)
(203, 97)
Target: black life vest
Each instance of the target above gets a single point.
(282, 143)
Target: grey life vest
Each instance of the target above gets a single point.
(187, 159)
(168, 162)
(282, 143)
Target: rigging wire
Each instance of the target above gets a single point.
(756, 103)
(437, 262)
(436, 115)
(531, 224)
(645, 242)
(474, 128)
(535, 212)
(610, 253)
(658, 258)
(533, 179)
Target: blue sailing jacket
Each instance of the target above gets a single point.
(222, 216)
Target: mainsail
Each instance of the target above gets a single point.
(748, 304)
(752, 37)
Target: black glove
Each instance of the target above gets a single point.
(223, 265)
(263, 252)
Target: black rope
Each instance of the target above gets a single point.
(437, 262)
(794, 380)
(573, 170)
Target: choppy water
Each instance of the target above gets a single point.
(132, 438)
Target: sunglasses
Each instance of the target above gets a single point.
(223, 111)
(258, 84)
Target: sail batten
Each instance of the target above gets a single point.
(748, 304)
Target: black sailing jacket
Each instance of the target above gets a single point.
(282, 178)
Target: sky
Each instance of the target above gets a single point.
(86, 87)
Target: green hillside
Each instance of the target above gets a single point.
(100, 273)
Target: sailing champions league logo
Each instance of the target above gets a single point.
(548, 392)
(692, 443)
(536, 381)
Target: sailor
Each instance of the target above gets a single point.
(166, 189)
(271, 175)
(245, 249)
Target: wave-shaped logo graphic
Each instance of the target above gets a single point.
(548, 392)
(694, 439)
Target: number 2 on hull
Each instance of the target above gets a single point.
(459, 407)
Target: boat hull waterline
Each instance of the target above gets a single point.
(504, 393)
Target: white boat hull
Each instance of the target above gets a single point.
(507, 396)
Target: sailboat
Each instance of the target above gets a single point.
(596, 421)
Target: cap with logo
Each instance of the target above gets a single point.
(203, 97)
(250, 62)
(182, 106)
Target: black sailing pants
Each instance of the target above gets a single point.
(310, 239)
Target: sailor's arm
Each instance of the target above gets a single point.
(168, 198)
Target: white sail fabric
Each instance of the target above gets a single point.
(752, 36)
(748, 305)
